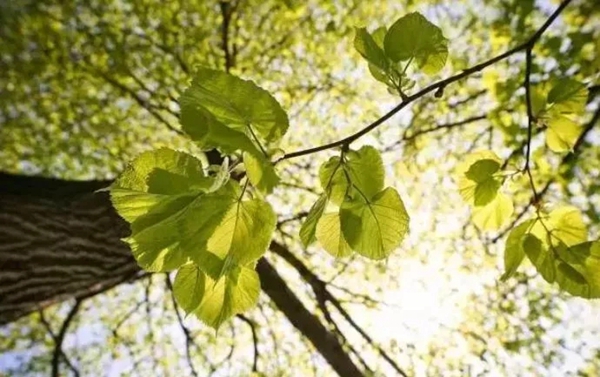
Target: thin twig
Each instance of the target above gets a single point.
(189, 340)
(58, 341)
(252, 325)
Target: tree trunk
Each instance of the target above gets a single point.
(62, 239)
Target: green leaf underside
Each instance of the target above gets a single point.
(374, 228)
(308, 229)
(233, 103)
(233, 293)
(329, 233)
(414, 37)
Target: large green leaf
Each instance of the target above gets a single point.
(374, 228)
(329, 233)
(235, 103)
(307, 231)
(153, 194)
(414, 37)
(188, 287)
(244, 233)
(234, 293)
(204, 128)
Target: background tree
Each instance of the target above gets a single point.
(87, 86)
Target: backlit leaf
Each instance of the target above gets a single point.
(261, 173)
(224, 100)
(234, 293)
(307, 231)
(376, 227)
(329, 233)
(188, 287)
(413, 36)
(495, 214)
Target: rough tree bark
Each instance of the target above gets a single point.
(62, 239)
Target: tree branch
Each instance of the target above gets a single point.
(189, 340)
(435, 86)
(252, 326)
(60, 338)
(321, 338)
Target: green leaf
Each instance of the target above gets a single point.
(153, 176)
(368, 48)
(379, 35)
(216, 99)
(538, 254)
(261, 173)
(209, 133)
(539, 94)
(152, 194)
(307, 231)
(562, 134)
(568, 96)
(243, 234)
(374, 228)
(365, 169)
(234, 293)
(333, 179)
(329, 234)
(188, 287)
(495, 214)
(567, 226)
(578, 270)
(482, 170)
(513, 251)
(414, 37)
(477, 184)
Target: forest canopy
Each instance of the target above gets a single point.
(274, 188)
